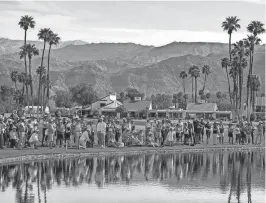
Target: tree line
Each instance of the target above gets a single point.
(241, 55)
(27, 52)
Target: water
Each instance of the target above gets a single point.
(190, 177)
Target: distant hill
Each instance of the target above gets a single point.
(116, 66)
(8, 46)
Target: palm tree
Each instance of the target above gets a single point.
(174, 101)
(208, 96)
(202, 96)
(53, 39)
(40, 71)
(230, 25)
(44, 35)
(25, 23)
(255, 87)
(14, 78)
(31, 51)
(206, 70)
(225, 63)
(233, 72)
(240, 50)
(44, 88)
(183, 75)
(195, 72)
(22, 79)
(190, 72)
(255, 28)
(219, 95)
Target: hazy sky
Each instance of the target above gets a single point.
(151, 23)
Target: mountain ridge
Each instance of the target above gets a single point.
(116, 66)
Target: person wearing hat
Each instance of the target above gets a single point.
(101, 132)
(230, 133)
(50, 133)
(84, 138)
(237, 134)
(248, 131)
(170, 137)
(13, 137)
(259, 133)
(43, 127)
(77, 131)
(67, 132)
(2, 130)
(158, 133)
(34, 136)
(150, 140)
(22, 132)
(215, 132)
(91, 132)
(126, 137)
(60, 131)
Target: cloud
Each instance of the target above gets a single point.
(151, 23)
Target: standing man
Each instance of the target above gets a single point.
(43, 126)
(22, 132)
(197, 130)
(77, 131)
(202, 125)
(2, 129)
(191, 132)
(101, 131)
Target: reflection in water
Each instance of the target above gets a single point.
(233, 172)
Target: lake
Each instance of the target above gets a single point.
(170, 178)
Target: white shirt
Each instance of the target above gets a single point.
(101, 127)
(84, 136)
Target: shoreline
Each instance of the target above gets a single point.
(61, 153)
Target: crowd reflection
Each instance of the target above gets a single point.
(232, 172)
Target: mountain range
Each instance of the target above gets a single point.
(112, 67)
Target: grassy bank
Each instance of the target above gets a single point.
(14, 155)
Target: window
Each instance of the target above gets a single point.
(102, 104)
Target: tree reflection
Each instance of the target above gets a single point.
(231, 171)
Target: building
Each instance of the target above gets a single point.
(170, 113)
(105, 106)
(35, 111)
(206, 111)
(259, 107)
(138, 108)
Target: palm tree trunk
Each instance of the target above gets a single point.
(240, 89)
(26, 69)
(251, 67)
(23, 92)
(44, 96)
(204, 83)
(229, 87)
(192, 89)
(196, 89)
(230, 54)
(48, 76)
(236, 94)
(253, 100)
(31, 86)
(184, 87)
(40, 82)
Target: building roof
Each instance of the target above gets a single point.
(137, 105)
(260, 101)
(203, 107)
